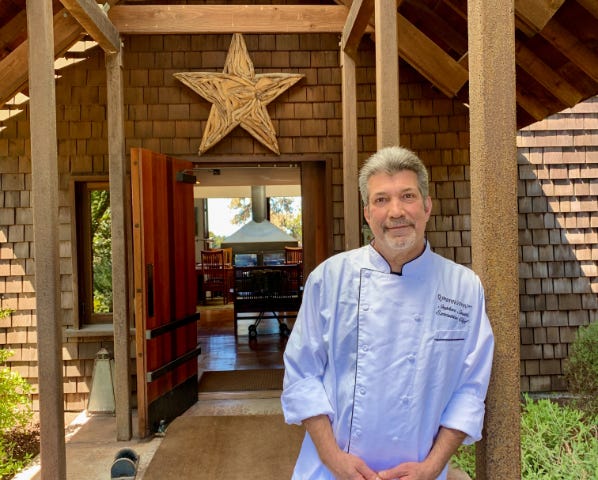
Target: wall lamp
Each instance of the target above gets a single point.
(187, 176)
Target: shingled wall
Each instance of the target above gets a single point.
(164, 115)
(558, 237)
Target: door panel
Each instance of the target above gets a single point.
(165, 288)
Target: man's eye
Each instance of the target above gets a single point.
(379, 200)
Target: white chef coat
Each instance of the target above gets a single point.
(389, 358)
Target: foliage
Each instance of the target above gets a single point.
(581, 370)
(282, 214)
(557, 443)
(5, 312)
(102, 251)
(15, 415)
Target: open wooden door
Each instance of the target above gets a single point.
(165, 288)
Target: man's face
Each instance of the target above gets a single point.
(397, 213)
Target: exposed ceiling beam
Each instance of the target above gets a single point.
(533, 15)
(188, 19)
(546, 76)
(429, 59)
(14, 68)
(13, 30)
(95, 22)
(532, 105)
(590, 5)
(570, 46)
(357, 21)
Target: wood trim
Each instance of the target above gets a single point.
(221, 19)
(533, 15)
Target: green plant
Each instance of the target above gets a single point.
(5, 312)
(557, 443)
(15, 416)
(581, 371)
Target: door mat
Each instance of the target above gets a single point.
(228, 447)
(241, 380)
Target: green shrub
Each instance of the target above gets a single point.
(557, 443)
(15, 416)
(581, 371)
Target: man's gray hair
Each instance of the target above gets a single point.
(391, 160)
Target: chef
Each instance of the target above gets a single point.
(389, 360)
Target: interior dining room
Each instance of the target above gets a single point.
(237, 330)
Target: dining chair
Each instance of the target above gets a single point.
(293, 254)
(214, 274)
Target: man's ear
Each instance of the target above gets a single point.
(428, 206)
(366, 213)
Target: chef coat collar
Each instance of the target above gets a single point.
(415, 267)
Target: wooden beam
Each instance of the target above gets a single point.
(95, 22)
(387, 74)
(590, 5)
(351, 209)
(202, 19)
(119, 208)
(570, 46)
(533, 15)
(433, 63)
(14, 69)
(546, 76)
(532, 105)
(44, 195)
(356, 24)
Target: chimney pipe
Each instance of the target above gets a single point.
(258, 203)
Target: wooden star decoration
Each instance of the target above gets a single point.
(239, 96)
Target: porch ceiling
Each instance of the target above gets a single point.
(556, 40)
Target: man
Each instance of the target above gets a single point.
(389, 360)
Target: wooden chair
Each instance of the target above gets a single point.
(215, 274)
(293, 255)
(228, 256)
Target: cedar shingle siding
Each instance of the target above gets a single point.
(558, 186)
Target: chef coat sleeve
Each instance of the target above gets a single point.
(466, 408)
(305, 359)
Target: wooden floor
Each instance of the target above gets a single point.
(222, 351)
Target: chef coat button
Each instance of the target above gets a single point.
(367, 274)
(362, 391)
(357, 433)
(417, 318)
(366, 307)
(365, 348)
(411, 357)
(405, 400)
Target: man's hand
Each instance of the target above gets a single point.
(408, 471)
(345, 466)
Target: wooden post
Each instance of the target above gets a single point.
(118, 207)
(493, 152)
(44, 191)
(387, 74)
(351, 205)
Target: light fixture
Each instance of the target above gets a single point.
(187, 176)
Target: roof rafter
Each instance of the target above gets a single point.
(533, 15)
(95, 22)
(14, 68)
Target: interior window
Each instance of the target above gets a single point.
(94, 252)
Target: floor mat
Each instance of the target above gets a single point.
(228, 447)
(241, 380)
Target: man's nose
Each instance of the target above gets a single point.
(396, 208)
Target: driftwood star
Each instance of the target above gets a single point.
(238, 97)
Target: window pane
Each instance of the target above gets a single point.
(101, 242)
